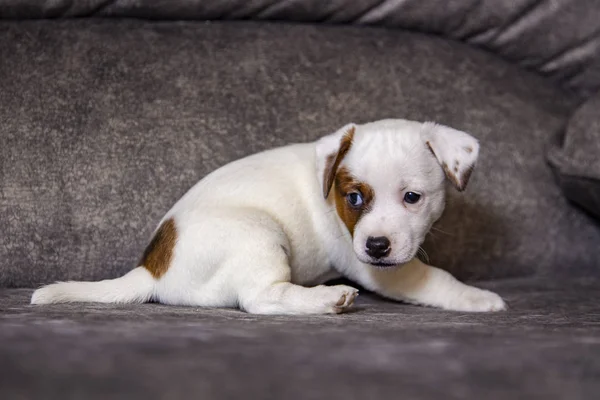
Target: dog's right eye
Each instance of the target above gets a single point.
(355, 199)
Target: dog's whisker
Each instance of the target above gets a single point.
(423, 253)
(441, 231)
(433, 235)
(340, 236)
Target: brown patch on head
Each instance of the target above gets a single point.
(451, 176)
(345, 183)
(430, 148)
(465, 178)
(459, 184)
(333, 161)
(158, 255)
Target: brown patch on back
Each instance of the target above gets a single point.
(468, 149)
(345, 183)
(333, 161)
(158, 255)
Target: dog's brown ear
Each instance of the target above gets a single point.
(456, 152)
(331, 150)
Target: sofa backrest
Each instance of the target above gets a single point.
(559, 39)
(104, 124)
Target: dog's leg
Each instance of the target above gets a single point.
(264, 286)
(239, 257)
(419, 283)
(288, 298)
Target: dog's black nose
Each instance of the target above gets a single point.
(378, 247)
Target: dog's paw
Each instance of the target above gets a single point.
(337, 299)
(477, 300)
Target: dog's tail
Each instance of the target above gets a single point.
(136, 286)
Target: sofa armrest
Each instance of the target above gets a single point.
(577, 161)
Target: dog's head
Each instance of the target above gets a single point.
(386, 180)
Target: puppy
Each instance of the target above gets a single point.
(265, 232)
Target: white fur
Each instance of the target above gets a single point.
(257, 233)
(134, 287)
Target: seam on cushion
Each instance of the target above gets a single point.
(560, 162)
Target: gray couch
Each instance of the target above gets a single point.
(106, 121)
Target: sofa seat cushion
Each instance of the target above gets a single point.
(547, 346)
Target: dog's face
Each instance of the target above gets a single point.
(386, 181)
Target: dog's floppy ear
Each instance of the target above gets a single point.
(331, 150)
(456, 151)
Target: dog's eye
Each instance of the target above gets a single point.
(355, 199)
(411, 197)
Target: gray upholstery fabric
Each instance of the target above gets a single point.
(559, 38)
(546, 347)
(106, 123)
(577, 161)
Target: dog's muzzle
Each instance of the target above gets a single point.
(378, 247)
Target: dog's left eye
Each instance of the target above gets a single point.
(411, 197)
(355, 199)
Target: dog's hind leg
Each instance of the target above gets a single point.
(265, 287)
(288, 298)
(261, 273)
(238, 257)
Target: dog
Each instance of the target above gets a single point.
(265, 233)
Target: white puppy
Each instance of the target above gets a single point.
(264, 232)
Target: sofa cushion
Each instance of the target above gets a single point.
(577, 161)
(559, 39)
(106, 123)
(547, 346)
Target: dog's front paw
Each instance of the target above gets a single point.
(477, 300)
